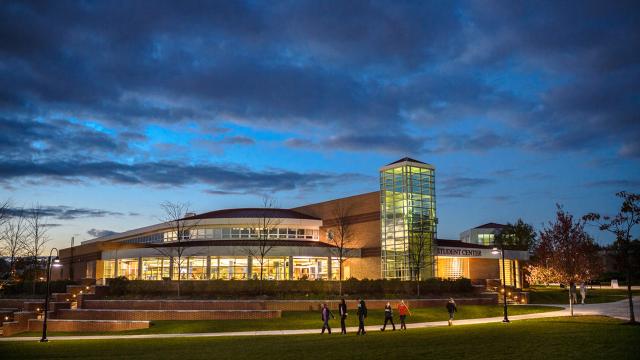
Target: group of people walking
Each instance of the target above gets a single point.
(361, 312)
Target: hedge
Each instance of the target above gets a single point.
(26, 287)
(285, 289)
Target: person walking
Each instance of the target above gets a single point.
(572, 292)
(362, 314)
(342, 311)
(388, 317)
(403, 311)
(451, 308)
(326, 316)
(583, 292)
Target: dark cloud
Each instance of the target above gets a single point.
(222, 177)
(238, 140)
(62, 212)
(362, 75)
(96, 233)
(621, 184)
(462, 187)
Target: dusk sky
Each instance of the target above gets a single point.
(109, 108)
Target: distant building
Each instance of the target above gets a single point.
(386, 225)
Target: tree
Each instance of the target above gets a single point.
(341, 236)
(36, 238)
(516, 236)
(568, 251)
(264, 225)
(13, 240)
(175, 217)
(4, 211)
(420, 247)
(622, 225)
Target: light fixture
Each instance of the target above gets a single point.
(56, 262)
(495, 251)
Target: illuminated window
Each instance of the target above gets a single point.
(508, 269)
(155, 268)
(128, 268)
(109, 270)
(228, 268)
(452, 267)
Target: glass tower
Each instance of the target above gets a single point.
(408, 219)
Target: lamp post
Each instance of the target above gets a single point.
(56, 263)
(504, 286)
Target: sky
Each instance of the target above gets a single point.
(108, 109)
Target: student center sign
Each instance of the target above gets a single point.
(387, 227)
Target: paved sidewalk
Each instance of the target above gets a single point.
(616, 310)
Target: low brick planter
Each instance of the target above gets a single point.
(17, 303)
(96, 314)
(87, 325)
(284, 305)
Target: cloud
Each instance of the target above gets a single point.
(100, 233)
(222, 177)
(62, 212)
(621, 184)
(462, 187)
(238, 140)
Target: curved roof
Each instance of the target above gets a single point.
(252, 213)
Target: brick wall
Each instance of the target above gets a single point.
(284, 305)
(102, 314)
(17, 303)
(87, 325)
(19, 324)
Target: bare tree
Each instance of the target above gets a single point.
(13, 240)
(341, 235)
(175, 216)
(622, 225)
(4, 211)
(262, 245)
(36, 238)
(421, 245)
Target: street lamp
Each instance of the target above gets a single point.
(56, 263)
(496, 251)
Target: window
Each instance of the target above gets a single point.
(109, 269)
(128, 268)
(191, 268)
(452, 267)
(155, 268)
(227, 268)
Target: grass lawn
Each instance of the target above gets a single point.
(309, 320)
(554, 338)
(557, 295)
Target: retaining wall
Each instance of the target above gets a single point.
(120, 314)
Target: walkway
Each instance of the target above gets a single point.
(617, 309)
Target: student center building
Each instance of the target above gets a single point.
(388, 228)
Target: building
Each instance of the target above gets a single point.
(394, 236)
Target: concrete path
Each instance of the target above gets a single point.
(617, 309)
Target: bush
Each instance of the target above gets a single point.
(286, 289)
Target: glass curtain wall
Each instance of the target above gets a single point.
(191, 268)
(155, 268)
(229, 268)
(273, 268)
(408, 219)
(128, 268)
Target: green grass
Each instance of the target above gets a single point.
(309, 320)
(557, 295)
(555, 338)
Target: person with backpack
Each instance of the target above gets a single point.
(362, 314)
(403, 311)
(451, 308)
(388, 317)
(342, 311)
(326, 316)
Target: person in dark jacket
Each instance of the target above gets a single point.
(388, 316)
(362, 314)
(326, 316)
(451, 308)
(342, 311)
